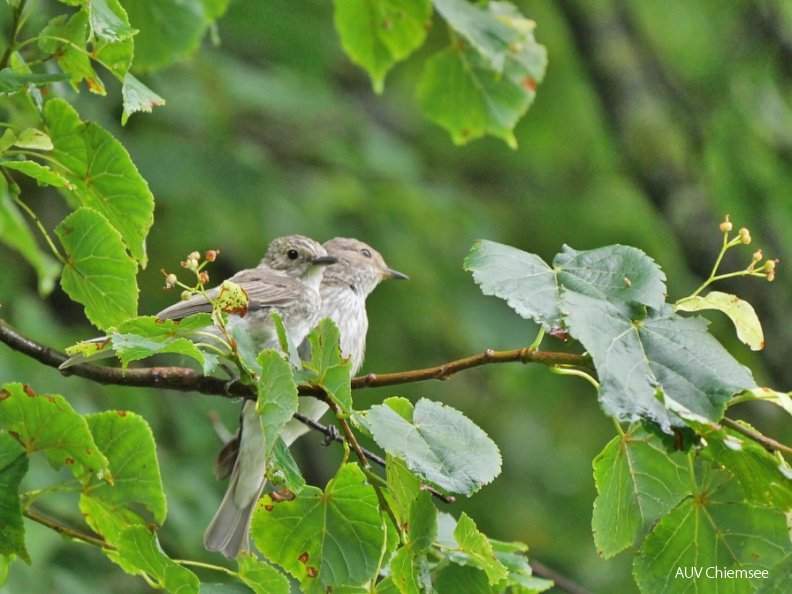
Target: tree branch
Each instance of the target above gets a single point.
(188, 380)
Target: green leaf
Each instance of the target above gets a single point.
(709, 533)
(261, 577)
(324, 539)
(71, 53)
(422, 524)
(334, 373)
(15, 233)
(137, 97)
(410, 575)
(139, 553)
(532, 288)
(170, 30)
(486, 85)
(766, 479)
(38, 172)
(131, 347)
(126, 439)
(462, 580)
(103, 174)
(47, 423)
(782, 399)
(13, 466)
(283, 469)
(403, 485)
(34, 139)
(520, 578)
(638, 482)
(13, 82)
(98, 273)
(778, 578)
(109, 21)
(277, 396)
(643, 357)
(377, 34)
(161, 330)
(441, 445)
(487, 35)
(741, 313)
(478, 548)
(522, 279)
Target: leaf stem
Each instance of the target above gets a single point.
(41, 228)
(16, 24)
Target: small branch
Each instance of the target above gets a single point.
(768, 443)
(562, 582)
(66, 531)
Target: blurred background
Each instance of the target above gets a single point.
(654, 121)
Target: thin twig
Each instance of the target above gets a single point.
(562, 582)
(66, 531)
(768, 443)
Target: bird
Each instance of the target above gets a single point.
(344, 289)
(286, 281)
(345, 286)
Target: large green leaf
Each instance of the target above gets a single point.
(709, 534)
(440, 445)
(139, 553)
(525, 281)
(16, 234)
(13, 466)
(102, 173)
(644, 355)
(98, 272)
(126, 439)
(324, 539)
(377, 34)
(46, 422)
(532, 288)
(638, 482)
(132, 347)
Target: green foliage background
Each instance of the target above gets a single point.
(653, 121)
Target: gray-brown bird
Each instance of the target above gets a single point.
(346, 284)
(344, 289)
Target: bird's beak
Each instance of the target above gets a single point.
(324, 260)
(394, 274)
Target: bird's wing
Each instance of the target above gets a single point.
(264, 289)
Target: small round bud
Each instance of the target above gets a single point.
(190, 263)
(757, 255)
(726, 225)
(211, 255)
(203, 277)
(771, 276)
(745, 236)
(185, 295)
(170, 279)
(770, 264)
(194, 256)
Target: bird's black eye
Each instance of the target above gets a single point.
(366, 253)
(293, 255)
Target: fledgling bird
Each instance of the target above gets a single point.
(287, 282)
